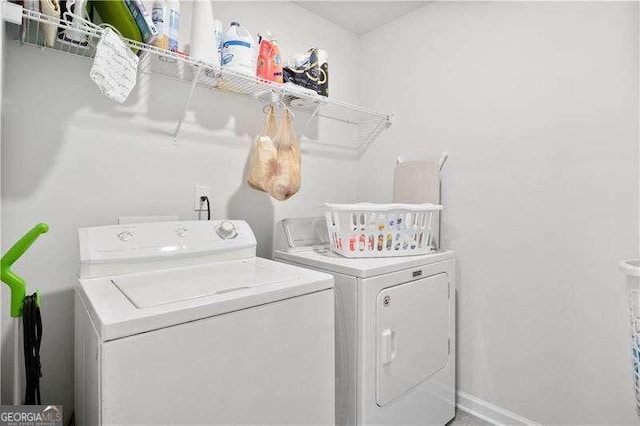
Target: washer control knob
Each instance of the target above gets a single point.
(181, 231)
(124, 235)
(226, 230)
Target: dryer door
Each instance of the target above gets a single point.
(412, 322)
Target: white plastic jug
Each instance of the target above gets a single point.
(239, 50)
(203, 37)
(218, 31)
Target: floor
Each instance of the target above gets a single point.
(466, 419)
(461, 419)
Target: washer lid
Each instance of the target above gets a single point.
(363, 267)
(162, 287)
(126, 305)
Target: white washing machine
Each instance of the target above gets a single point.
(395, 329)
(180, 323)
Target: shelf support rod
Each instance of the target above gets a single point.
(314, 115)
(186, 105)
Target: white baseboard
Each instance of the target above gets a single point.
(490, 413)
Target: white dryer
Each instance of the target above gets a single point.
(395, 329)
(180, 323)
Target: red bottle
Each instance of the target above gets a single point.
(269, 61)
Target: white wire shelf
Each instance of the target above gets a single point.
(340, 129)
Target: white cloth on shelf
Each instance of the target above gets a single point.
(115, 67)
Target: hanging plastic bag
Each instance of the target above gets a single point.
(262, 162)
(286, 179)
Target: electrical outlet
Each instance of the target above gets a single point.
(201, 191)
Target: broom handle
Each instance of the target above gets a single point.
(15, 282)
(17, 387)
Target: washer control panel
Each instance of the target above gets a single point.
(162, 239)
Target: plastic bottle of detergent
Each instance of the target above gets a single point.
(218, 31)
(203, 37)
(238, 50)
(269, 62)
(166, 17)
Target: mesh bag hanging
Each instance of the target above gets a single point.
(286, 178)
(262, 162)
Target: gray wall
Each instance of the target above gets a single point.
(537, 105)
(72, 158)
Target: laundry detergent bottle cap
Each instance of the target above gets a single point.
(238, 50)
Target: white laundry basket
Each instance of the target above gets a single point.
(380, 230)
(631, 268)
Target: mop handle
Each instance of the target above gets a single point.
(16, 283)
